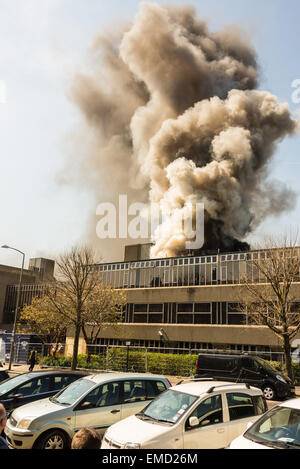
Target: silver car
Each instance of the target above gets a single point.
(96, 401)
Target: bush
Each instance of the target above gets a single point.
(139, 361)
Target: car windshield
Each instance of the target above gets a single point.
(12, 383)
(73, 392)
(168, 407)
(278, 428)
(266, 364)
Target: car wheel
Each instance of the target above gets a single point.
(269, 392)
(55, 439)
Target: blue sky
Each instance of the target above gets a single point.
(42, 43)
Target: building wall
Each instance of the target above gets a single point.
(10, 276)
(195, 335)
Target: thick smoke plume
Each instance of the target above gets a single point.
(175, 116)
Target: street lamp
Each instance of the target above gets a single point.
(17, 306)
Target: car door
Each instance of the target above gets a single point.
(251, 372)
(241, 410)
(137, 393)
(211, 432)
(100, 408)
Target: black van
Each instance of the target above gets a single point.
(246, 369)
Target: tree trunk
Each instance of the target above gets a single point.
(75, 347)
(287, 357)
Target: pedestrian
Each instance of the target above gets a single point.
(3, 420)
(32, 358)
(86, 438)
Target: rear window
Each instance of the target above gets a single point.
(216, 363)
(260, 405)
(240, 406)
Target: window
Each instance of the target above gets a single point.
(61, 382)
(134, 391)
(33, 387)
(202, 307)
(102, 396)
(153, 388)
(259, 405)
(240, 406)
(209, 412)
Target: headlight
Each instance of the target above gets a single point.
(24, 423)
(280, 378)
(132, 446)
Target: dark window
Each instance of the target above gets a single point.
(185, 307)
(240, 406)
(140, 308)
(209, 412)
(202, 307)
(155, 318)
(61, 382)
(184, 318)
(140, 318)
(103, 396)
(153, 388)
(259, 405)
(155, 308)
(236, 319)
(134, 391)
(33, 387)
(202, 319)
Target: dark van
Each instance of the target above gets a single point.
(246, 369)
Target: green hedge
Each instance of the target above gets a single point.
(158, 363)
(139, 361)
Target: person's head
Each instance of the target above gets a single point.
(86, 438)
(3, 418)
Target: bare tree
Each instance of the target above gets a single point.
(76, 282)
(272, 285)
(103, 308)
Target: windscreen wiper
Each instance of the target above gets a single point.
(148, 417)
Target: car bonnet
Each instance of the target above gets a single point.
(36, 409)
(134, 430)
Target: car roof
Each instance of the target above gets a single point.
(293, 404)
(121, 376)
(37, 374)
(198, 388)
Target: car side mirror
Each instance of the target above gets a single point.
(86, 405)
(193, 422)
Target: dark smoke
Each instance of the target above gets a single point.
(175, 118)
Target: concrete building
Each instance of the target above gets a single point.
(40, 271)
(184, 303)
(190, 302)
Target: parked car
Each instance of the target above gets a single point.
(29, 387)
(277, 429)
(95, 401)
(246, 369)
(3, 375)
(195, 415)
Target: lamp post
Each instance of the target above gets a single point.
(17, 306)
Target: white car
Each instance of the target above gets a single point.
(279, 428)
(201, 414)
(95, 401)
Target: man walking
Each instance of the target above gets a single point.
(3, 420)
(32, 358)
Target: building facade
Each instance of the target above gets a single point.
(34, 278)
(194, 301)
